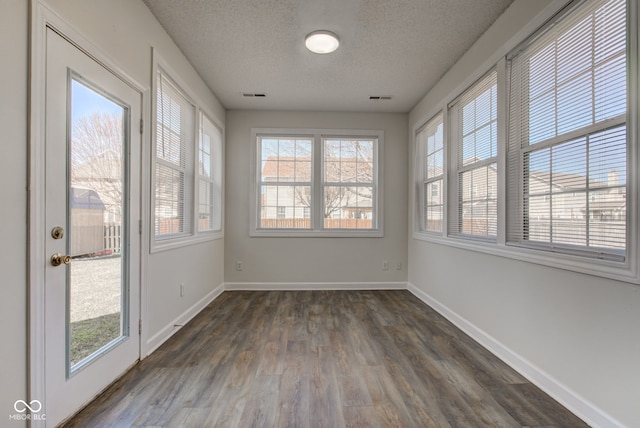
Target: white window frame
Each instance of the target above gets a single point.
(316, 210)
(628, 271)
(186, 155)
(423, 181)
(521, 148)
(456, 168)
(215, 179)
(194, 235)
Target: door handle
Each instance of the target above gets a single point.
(57, 259)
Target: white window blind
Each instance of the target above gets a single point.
(567, 154)
(174, 159)
(474, 136)
(430, 140)
(209, 176)
(285, 174)
(349, 183)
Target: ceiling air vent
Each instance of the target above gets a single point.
(251, 95)
(380, 97)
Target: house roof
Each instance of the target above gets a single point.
(85, 198)
(609, 202)
(286, 167)
(289, 168)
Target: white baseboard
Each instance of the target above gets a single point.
(315, 286)
(577, 404)
(170, 329)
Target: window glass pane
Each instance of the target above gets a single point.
(475, 144)
(610, 80)
(210, 170)
(607, 218)
(478, 213)
(608, 158)
(575, 76)
(434, 216)
(286, 164)
(569, 225)
(542, 117)
(348, 161)
(168, 200)
(205, 205)
(478, 139)
(575, 104)
(538, 225)
(431, 142)
(348, 207)
(573, 50)
(174, 160)
(283, 207)
(568, 166)
(171, 120)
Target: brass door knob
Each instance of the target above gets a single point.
(58, 259)
(57, 232)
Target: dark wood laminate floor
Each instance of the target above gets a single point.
(322, 359)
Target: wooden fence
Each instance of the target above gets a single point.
(305, 223)
(113, 238)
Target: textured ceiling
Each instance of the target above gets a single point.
(399, 48)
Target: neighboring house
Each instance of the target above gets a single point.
(101, 177)
(103, 174)
(87, 221)
(564, 209)
(558, 207)
(292, 202)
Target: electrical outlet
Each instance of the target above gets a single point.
(399, 266)
(238, 265)
(182, 291)
(385, 265)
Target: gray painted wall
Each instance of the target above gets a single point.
(578, 329)
(13, 210)
(314, 259)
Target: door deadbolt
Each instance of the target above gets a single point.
(57, 259)
(57, 232)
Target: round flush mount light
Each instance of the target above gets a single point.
(322, 42)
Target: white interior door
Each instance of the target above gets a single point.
(92, 278)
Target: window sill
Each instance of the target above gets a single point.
(289, 233)
(159, 245)
(620, 271)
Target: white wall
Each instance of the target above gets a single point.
(332, 260)
(13, 209)
(577, 330)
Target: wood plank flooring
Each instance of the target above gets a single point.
(322, 359)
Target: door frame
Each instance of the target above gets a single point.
(41, 18)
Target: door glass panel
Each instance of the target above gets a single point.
(96, 310)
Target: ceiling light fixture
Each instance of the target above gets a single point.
(322, 42)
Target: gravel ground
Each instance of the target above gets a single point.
(95, 287)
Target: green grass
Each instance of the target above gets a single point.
(87, 336)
